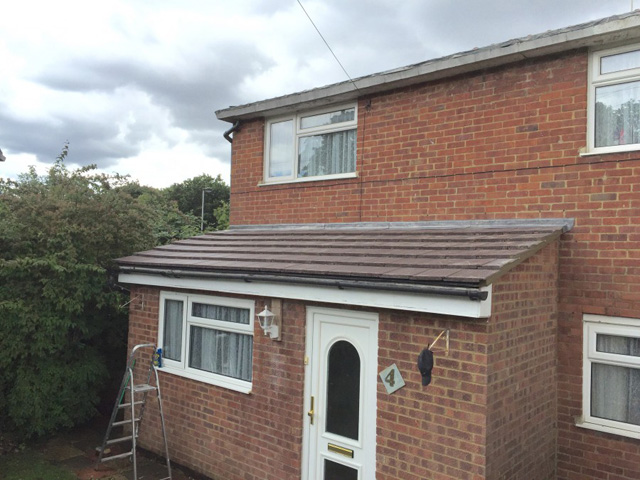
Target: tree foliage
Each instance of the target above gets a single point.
(63, 327)
(189, 196)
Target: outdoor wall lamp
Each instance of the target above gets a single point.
(270, 322)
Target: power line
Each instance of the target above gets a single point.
(327, 44)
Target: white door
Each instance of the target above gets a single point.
(340, 395)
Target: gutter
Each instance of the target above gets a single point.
(474, 294)
(234, 128)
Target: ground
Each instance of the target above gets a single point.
(72, 456)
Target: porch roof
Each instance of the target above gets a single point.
(384, 256)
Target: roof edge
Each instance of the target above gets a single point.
(612, 29)
(472, 292)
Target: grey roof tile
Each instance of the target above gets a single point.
(455, 254)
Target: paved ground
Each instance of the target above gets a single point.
(76, 451)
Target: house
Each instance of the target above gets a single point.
(485, 206)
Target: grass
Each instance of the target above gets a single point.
(30, 465)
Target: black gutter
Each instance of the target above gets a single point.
(234, 128)
(471, 293)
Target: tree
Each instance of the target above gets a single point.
(188, 196)
(168, 222)
(62, 315)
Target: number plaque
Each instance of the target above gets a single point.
(391, 378)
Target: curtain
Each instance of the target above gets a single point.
(218, 351)
(615, 390)
(172, 338)
(327, 154)
(219, 312)
(224, 353)
(617, 114)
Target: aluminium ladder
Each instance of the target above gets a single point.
(135, 406)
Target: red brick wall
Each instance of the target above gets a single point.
(222, 433)
(438, 431)
(522, 372)
(503, 143)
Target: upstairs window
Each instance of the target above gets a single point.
(611, 375)
(311, 145)
(614, 108)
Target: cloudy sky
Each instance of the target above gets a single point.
(133, 85)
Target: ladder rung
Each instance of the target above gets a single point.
(115, 457)
(118, 440)
(122, 405)
(143, 388)
(123, 422)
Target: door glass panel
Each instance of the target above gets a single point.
(343, 391)
(337, 471)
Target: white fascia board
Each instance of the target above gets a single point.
(459, 306)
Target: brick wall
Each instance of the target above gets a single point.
(438, 431)
(522, 372)
(502, 143)
(222, 433)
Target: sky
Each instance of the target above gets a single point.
(133, 85)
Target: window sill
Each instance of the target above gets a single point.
(338, 176)
(211, 379)
(580, 422)
(609, 151)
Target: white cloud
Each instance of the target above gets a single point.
(133, 85)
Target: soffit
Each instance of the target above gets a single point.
(450, 254)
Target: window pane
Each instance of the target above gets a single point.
(172, 337)
(224, 353)
(219, 312)
(620, 62)
(329, 118)
(343, 390)
(618, 345)
(281, 149)
(327, 154)
(615, 393)
(617, 114)
(337, 471)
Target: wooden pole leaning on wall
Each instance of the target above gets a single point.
(446, 348)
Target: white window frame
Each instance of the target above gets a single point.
(181, 368)
(597, 79)
(298, 133)
(608, 325)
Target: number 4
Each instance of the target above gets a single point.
(391, 378)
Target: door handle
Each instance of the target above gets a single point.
(311, 412)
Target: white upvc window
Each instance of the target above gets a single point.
(311, 145)
(207, 338)
(614, 100)
(611, 375)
